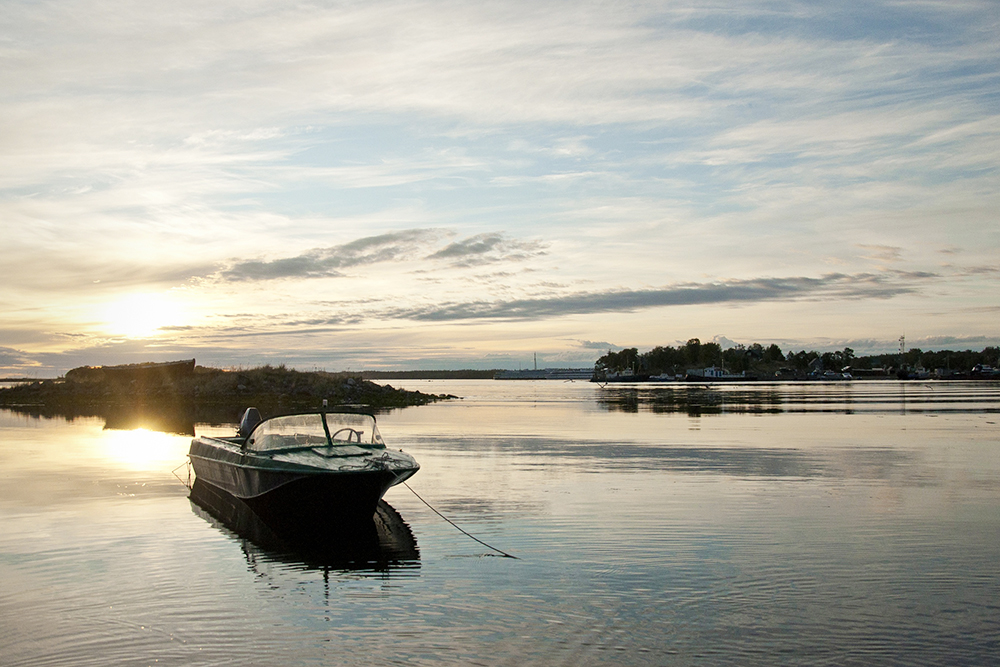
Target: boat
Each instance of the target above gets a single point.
(563, 374)
(537, 373)
(316, 468)
(626, 375)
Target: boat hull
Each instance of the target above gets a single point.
(294, 494)
(332, 500)
(382, 540)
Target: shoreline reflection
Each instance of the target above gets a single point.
(383, 544)
(163, 417)
(703, 400)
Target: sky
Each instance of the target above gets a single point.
(432, 184)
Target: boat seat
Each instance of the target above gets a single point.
(249, 422)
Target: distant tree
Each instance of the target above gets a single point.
(662, 360)
(606, 362)
(618, 361)
(738, 358)
(801, 360)
(843, 358)
(913, 357)
(630, 358)
(710, 354)
(692, 351)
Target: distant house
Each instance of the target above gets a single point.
(713, 373)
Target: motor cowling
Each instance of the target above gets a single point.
(249, 422)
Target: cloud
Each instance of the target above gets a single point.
(598, 345)
(723, 342)
(67, 274)
(885, 253)
(980, 271)
(327, 262)
(14, 360)
(488, 248)
(951, 342)
(830, 286)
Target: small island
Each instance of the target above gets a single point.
(183, 393)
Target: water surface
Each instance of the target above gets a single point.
(856, 523)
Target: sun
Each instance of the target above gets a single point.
(140, 315)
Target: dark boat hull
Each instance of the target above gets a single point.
(332, 499)
(295, 495)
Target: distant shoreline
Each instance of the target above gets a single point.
(467, 374)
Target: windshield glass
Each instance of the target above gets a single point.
(287, 432)
(297, 431)
(353, 428)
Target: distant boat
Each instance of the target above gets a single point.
(626, 375)
(316, 467)
(546, 374)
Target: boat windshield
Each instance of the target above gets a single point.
(307, 430)
(358, 429)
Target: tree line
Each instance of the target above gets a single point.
(756, 357)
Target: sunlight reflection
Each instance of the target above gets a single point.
(144, 450)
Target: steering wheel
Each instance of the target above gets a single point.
(350, 433)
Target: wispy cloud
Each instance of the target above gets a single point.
(882, 253)
(488, 248)
(326, 262)
(473, 251)
(11, 358)
(831, 286)
(601, 346)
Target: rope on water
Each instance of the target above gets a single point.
(464, 532)
(186, 483)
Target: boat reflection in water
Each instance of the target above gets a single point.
(381, 544)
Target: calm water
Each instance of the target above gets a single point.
(797, 524)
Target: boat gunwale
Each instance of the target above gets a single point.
(300, 468)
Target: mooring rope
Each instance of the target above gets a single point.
(174, 471)
(464, 532)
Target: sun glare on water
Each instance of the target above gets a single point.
(140, 315)
(140, 449)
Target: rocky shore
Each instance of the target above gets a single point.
(213, 392)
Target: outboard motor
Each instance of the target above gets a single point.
(249, 422)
